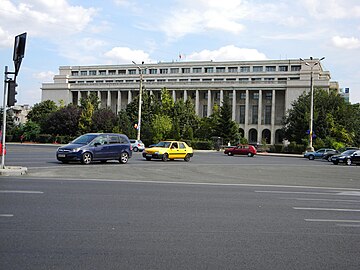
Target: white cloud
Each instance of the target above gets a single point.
(124, 55)
(51, 19)
(229, 52)
(346, 42)
(332, 9)
(44, 76)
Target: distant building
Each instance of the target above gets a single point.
(345, 93)
(260, 91)
(20, 113)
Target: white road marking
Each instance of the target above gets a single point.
(326, 209)
(350, 193)
(21, 191)
(333, 220)
(294, 192)
(6, 215)
(325, 200)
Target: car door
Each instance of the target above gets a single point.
(174, 150)
(101, 147)
(356, 157)
(114, 147)
(238, 150)
(182, 150)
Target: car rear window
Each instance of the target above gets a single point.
(113, 139)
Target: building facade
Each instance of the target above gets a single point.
(260, 91)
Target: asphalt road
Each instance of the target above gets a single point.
(214, 212)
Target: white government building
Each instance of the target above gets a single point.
(260, 91)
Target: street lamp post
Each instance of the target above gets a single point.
(311, 65)
(140, 100)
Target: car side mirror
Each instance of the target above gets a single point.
(96, 144)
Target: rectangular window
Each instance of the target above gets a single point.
(195, 80)
(270, 68)
(243, 79)
(112, 72)
(232, 69)
(205, 95)
(163, 71)
(102, 72)
(205, 110)
(257, 68)
(268, 115)
(206, 80)
(245, 69)
(132, 71)
(282, 79)
(196, 70)
(242, 114)
(254, 114)
(153, 71)
(255, 79)
(209, 70)
(231, 79)
(92, 72)
(296, 68)
(185, 70)
(172, 80)
(255, 95)
(242, 95)
(160, 80)
(74, 73)
(83, 73)
(218, 79)
(220, 69)
(122, 72)
(269, 79)
(283, 68)
(174, 70)
(268, 95)
(294, 78)
(183, 80)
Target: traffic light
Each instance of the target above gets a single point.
(11, 93)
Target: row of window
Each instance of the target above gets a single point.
(193, 80)
(242, 69)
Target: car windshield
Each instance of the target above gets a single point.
(84, 139)
(163, 144)
(348, 152)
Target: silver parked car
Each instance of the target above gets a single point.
(137, 145)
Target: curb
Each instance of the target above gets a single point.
(13, 171)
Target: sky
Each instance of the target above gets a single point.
(97, 32)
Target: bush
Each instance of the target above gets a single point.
(202, 145)
(277, 148)
(295, 148)
(44, 138)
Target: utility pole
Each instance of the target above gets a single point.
(140, 100)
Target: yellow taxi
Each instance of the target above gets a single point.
(169, 150)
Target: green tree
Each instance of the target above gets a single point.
(41, 111)
(31, 130)
(103, 120)
(87, 111)
(64, 121)
(161, 125)
(226, 127)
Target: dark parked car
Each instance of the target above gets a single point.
(348, 157)
(96, 146)
(317, 154)
(241, 149)
(329, 154)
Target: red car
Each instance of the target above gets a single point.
(241, 149)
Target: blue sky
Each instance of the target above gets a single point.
(79, 32)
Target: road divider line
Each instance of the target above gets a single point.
(333, 220)
(21, 191)
(326, 209)
(6, 215)
(321, 200)
(293, 192)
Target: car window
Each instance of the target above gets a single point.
(182, 146)
(163, 144)
(113, 139)
(123, 140)
(174, 146)
(84, 139)
(101, 140)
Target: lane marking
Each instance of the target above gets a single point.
(325, 200)
(293, 192)
(21, 191)
(326, 209)
(185, 183)
(6, 215)
(333, 220)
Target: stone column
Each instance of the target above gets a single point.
(197, 102)
(185, 95)
(273, 96)
(108, 99)
(247, 107)
(174, 95)
(209, 103)
(129, 96)
(221, 97)
(234, 106)
(99, 96)
(119, 102)
(259, 117)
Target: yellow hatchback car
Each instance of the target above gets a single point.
(169, 150)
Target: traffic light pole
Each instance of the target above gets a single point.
(3, 129)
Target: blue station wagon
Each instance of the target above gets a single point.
(96, 147)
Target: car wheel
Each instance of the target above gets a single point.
(336, 162)
(135, 149)
(124, 158)
(311, 157)
(348, 162)
(230, 153)
(187, 158)
(148, 158)
(250, 154)
(329, 158)
(86, 158)
(165, 157)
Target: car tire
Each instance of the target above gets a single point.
(311, 157)
(165, 157)
(187, 158)
(124, 158)
(86, 158)
(230, 154)
(135, 149)
(250, 154)
(348, 162)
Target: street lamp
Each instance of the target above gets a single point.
(311, 65)
(140, 100)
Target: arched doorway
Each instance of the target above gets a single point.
(266, 135)
(253, 136)
(241, 132)
(279, 136)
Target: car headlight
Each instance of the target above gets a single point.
(76, 150)
(156, 153)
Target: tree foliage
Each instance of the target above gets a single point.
(103, 120)
(64, 121)
(41, 111)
